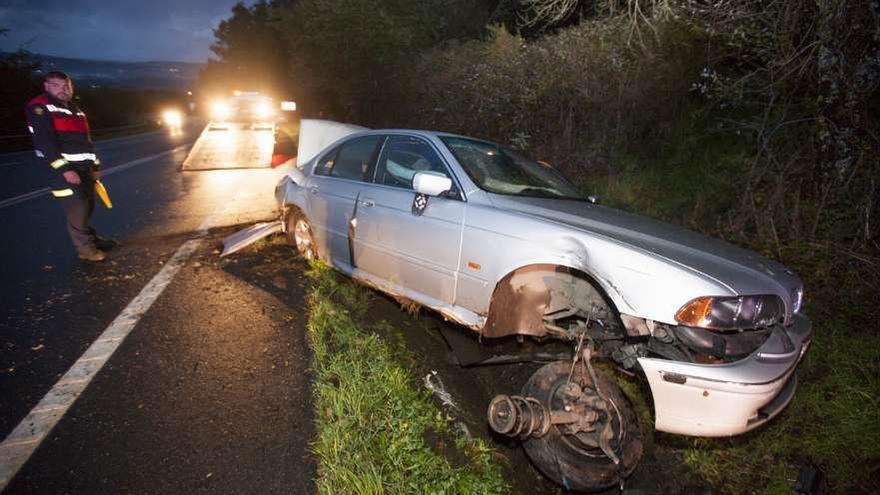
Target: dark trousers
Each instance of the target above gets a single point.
(79, 208)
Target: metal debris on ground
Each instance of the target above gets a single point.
(435, 385)
(248, 236)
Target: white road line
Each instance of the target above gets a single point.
(130, 136)
(18, 446)
(9, 164)
(128, 165)
(104, 173)
(21, 443)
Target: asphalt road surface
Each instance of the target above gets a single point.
(191, 377)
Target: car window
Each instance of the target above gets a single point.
(325, 164)
(403, 157)
(355, 158)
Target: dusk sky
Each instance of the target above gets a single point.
(124, 30)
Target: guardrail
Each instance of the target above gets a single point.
(17, 142)
(93, 131)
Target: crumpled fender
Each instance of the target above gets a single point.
(523, 297)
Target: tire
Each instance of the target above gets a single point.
(299, 234)
(564, 458)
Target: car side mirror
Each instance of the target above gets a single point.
(431, 184)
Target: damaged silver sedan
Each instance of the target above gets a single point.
(505, 245)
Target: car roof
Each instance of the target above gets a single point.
(423, 132)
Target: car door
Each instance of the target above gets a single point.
(336, 181)
(417, 250)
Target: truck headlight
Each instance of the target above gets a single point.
(731, 313)
(263, 111)
(220, 110)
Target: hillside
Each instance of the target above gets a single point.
(141, 75)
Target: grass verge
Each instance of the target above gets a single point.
(376, 431)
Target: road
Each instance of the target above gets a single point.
(202, 385)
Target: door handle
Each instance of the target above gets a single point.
(313, 189)
(368, 203)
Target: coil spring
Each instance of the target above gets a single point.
(517, 416)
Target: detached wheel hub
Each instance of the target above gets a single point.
(582, 435)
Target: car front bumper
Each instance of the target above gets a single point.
(731, 398)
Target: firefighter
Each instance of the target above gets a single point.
(61, 139)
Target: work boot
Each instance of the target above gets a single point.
(93, 254)
(105, 244)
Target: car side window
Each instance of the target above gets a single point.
(403, 157)
(355, 158)
(325, 164)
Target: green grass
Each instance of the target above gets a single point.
(373, 423)
(834, 419)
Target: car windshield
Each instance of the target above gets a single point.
(501, 170)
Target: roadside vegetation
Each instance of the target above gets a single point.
(756, 122)
(377, 432)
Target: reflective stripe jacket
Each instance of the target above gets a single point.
(61, 136)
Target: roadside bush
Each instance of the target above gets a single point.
(576, 97)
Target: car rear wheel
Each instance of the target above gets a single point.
(299, 234)
(571, 455)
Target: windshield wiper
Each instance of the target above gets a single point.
(540, 192)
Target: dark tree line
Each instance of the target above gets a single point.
(18, 73)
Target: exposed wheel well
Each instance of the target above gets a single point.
(287, 212)
(523, 299)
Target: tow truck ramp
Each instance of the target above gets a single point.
(226, 145)
(314, 135)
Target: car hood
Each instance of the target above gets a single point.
(740, 270)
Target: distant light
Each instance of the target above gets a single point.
(288, 106)
(189, 93)
(172, 118)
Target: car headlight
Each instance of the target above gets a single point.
(731, 313)
(172, 118)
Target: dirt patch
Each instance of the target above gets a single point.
(446, 448)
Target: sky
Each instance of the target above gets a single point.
(122, 30)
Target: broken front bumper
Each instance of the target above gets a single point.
(732, 398)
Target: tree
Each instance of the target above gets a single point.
(355, 56)
(18, 73)
(251, 54)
